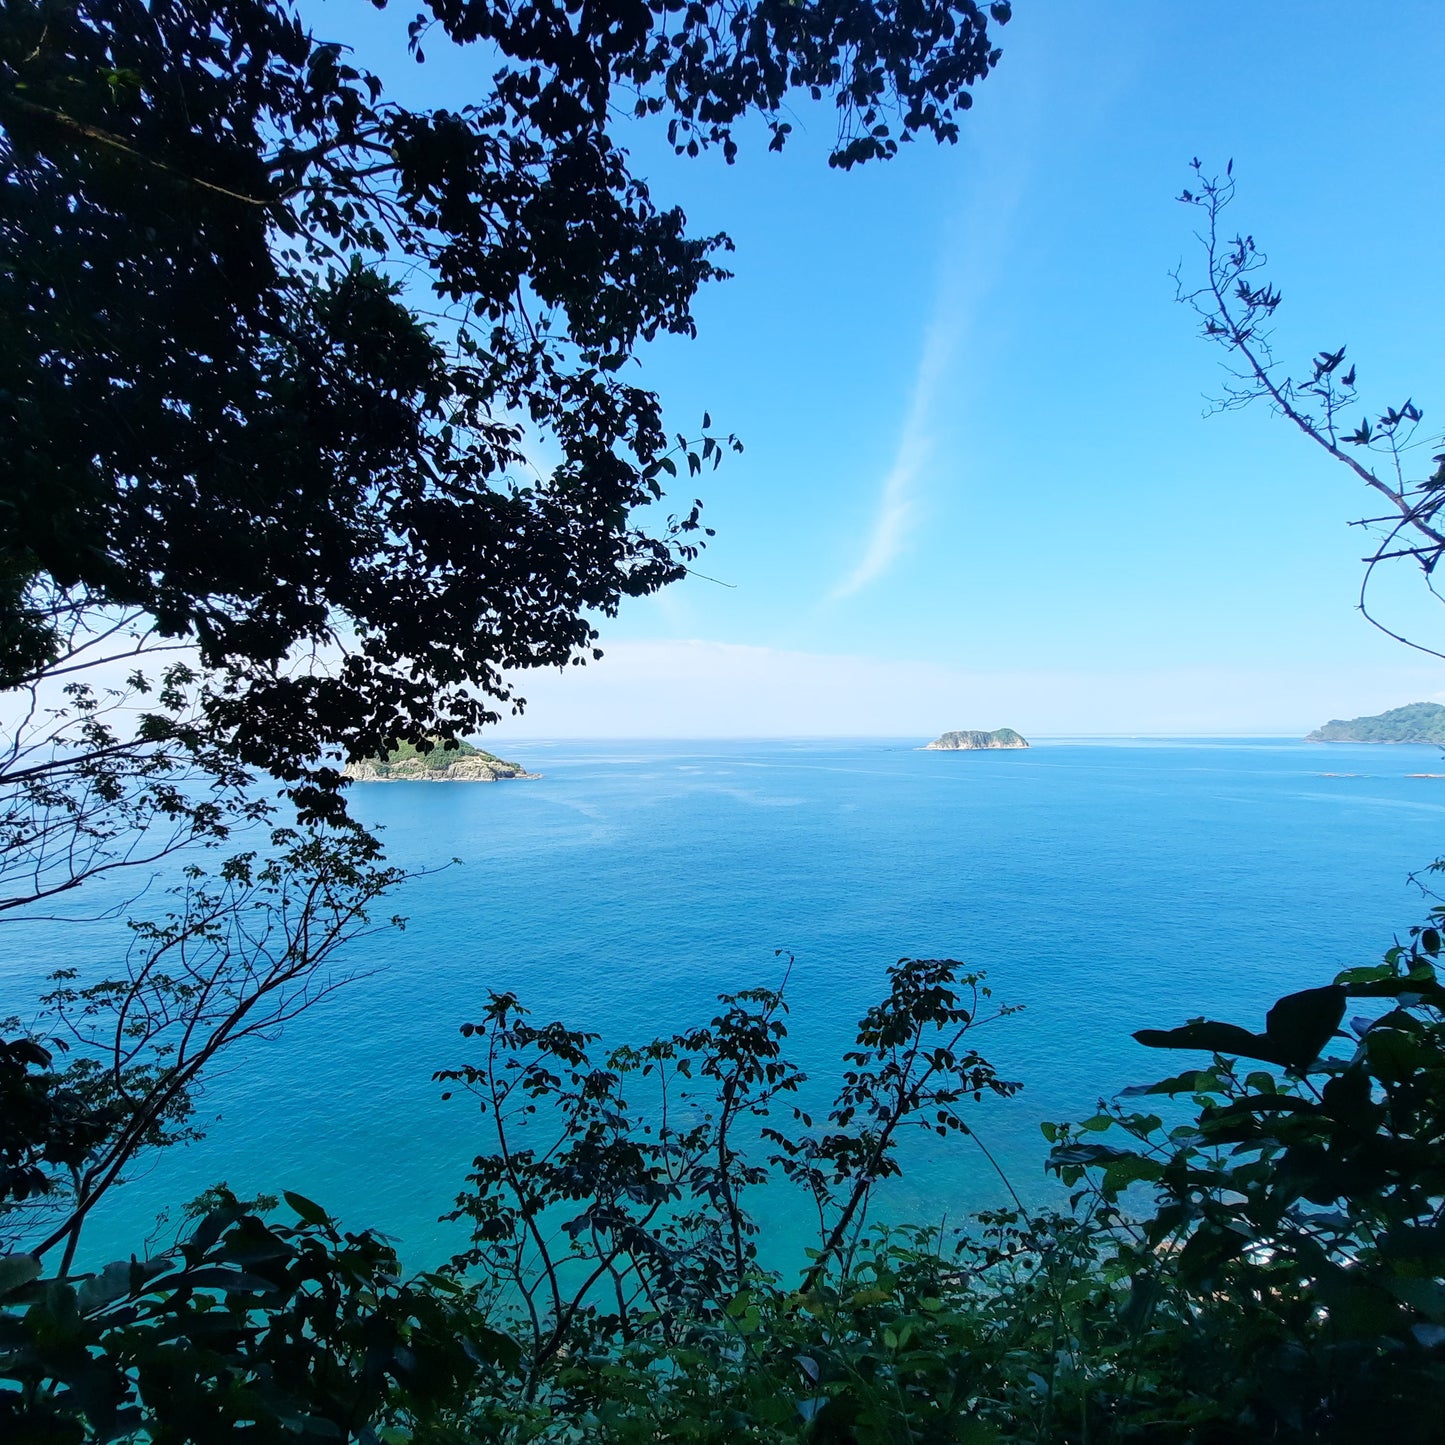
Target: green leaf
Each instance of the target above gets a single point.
(230, 1281)
(1356, 1306)
(16, 1270)
(868, 1296)
(1214, 1038)
(310, 1212)
(106, 1287)
(1192, 1081)
(1296, 1029)
(1132, 1169)
(1301, 1024)
(1143, 1291)
(1092, 1155)
(974, 1431)
(1425, 1295)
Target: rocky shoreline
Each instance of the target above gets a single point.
(473, 767)
(970, 741)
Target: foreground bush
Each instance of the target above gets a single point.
(1265, 1265)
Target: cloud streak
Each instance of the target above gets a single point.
(897, 506)
(980, 237)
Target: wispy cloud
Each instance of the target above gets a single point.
(897, 502)
(974, 253)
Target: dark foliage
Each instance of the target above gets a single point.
(1298, 1236)
(595, 1210)
(251, 1331)
(240, 953)
(1286, 1284)
(97, 778)
(269, 341)
(43, 1125)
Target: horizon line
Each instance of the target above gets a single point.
(1289, 736)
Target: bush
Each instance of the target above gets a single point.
(1267, 1268)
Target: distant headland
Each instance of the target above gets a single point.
(1417, 722)
(460, 764)
(967, 741)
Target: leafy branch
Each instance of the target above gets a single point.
(1236, 306)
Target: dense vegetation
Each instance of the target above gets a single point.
(279, 351)
(406, 758)
(233, 429)
(1417, 722)
(1263, 1265)
(436, 753)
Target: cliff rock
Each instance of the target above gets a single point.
(968, 741)
(462, 764)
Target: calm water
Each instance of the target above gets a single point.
(1106, 886)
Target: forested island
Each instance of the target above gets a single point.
(1417, 722)
(967, 741)
(460, 764)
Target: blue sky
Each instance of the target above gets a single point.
(978, 487)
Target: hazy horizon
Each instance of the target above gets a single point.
(696, 688)
(979, 484)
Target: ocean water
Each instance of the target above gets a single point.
(1104, 885)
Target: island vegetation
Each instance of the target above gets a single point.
(246, 467)
(438, 762)
(965, 741)
(1417, 722)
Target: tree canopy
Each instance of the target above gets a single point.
(1416, 722)
(277, 354)
(275, 346)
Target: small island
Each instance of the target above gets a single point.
(969, 741)
(460, 764)
(1417, 722)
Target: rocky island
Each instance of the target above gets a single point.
(460, 764)
(961, 741)
(1417, 722)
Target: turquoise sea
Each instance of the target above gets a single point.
(1105, 885)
